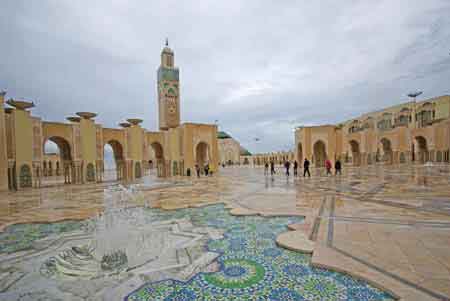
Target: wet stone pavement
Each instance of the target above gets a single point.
(386, 226)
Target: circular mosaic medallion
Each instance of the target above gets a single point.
(284, 294)
(323, 288)
(296, 270)
(237, 273)
(182, 295)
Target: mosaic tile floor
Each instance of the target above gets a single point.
(252, 267)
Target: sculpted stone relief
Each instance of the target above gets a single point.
(37, 138)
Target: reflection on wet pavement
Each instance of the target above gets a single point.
(387, 224)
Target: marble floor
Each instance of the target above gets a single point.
(386, 225)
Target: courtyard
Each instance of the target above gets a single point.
(374, 233)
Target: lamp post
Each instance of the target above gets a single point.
(414, 94)
(256, 142)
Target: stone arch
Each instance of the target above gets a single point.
(387, 150)
(356, 153)
(119, 159)
(320, 153)
(25, 179)
(202, 154)
(422, 149)
(65, 150)
(159, 156)
(65, 155)
(299, 153)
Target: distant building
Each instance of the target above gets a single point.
(230, 151)
(275, 157)
(409, 132)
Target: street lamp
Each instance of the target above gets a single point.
(414, 94)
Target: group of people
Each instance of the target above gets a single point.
(306, 164)
(206, 169)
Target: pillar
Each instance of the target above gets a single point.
(3, 154)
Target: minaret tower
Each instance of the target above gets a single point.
(168, 91)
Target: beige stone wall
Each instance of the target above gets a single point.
(23, 143)
(397, 134)
(229, 151)
(193, 135)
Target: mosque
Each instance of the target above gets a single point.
(173, 150)
(411, 132)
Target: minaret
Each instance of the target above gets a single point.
(168, 91)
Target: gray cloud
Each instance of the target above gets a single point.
(259, 67)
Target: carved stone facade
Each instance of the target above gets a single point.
(275, 157)
(416, 132)
(175, 150)
(230, 151)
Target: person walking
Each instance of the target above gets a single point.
(295, 168)
(266, 168)
(206, 169)
(287, 165)
(338, 167)
(197, 169)
(272, 168)
(328, 166)
(306, 168)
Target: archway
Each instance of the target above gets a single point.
(51, 153)
(158, 153)
(113, 161)
(387, 151)
(422, 149)
(356, 154)
(202, 154)
(299, 154)
(320, 154)
(59, 150)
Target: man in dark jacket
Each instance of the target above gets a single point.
(287, 165)
(272, 168)
(295, 168)
(197, 170)
(306, 168)
(338, 167)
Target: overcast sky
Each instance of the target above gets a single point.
(259, 67)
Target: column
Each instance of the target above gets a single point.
(3, 154)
